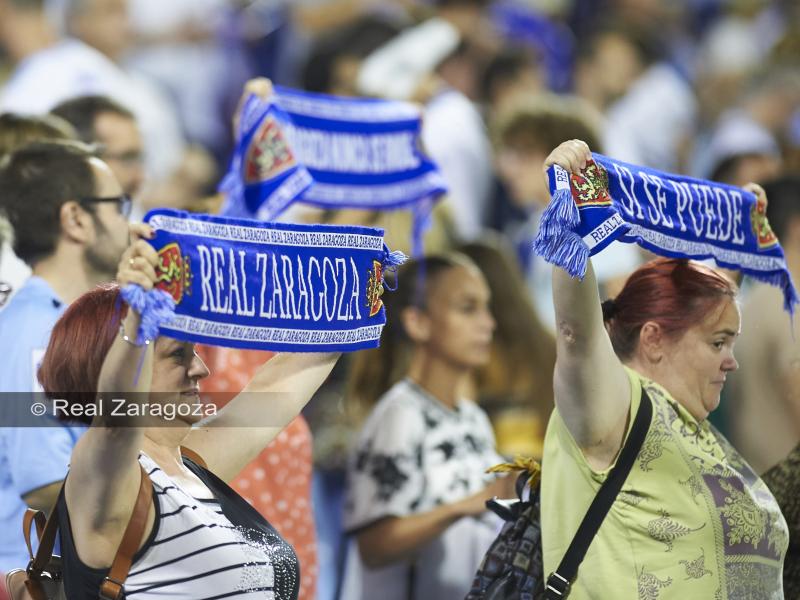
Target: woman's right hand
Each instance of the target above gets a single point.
(572, 155)
(139, 261)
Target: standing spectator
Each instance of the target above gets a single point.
(417, 485)
(692, 520)
(765, 395)
(49, 69)
(16, 131)
(101, 120)
(453, 132)
(69, 215)
(523, 136)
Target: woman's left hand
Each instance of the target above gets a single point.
(140, 260)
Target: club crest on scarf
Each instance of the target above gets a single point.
(761, 227)
(590, 187)
(269, 154)
(375, 288)
(174, 272)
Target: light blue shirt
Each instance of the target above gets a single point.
(30, 457)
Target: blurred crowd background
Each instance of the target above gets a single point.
(709, 88)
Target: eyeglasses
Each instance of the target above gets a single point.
(123, 202)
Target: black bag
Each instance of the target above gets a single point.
(512, 568)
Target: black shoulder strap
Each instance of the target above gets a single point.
(558, 583)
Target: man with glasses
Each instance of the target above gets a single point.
(69, 214)
(102, 121)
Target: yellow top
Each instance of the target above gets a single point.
(692, 520)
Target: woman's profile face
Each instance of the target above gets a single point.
(697, 363)
(177, 371)
(461, 324)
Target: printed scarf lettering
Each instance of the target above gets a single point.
(670, 215)
(247, 284)
(327, 151)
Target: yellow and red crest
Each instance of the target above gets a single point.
(375, 288)
(761, 228)
(590, 187)
(174, 274)
(268, 154)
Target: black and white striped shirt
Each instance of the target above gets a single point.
(198, 550)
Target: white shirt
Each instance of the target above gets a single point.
(71, 68)
(648, 124)
(413, 455)
(454, 136)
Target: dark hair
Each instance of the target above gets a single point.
(83, 111)
(504, 67)
(518, 334)
(676, 294)
(358, 39)
(544, 123)
(78, 346)
(18, 130)
(783, 196)
(35, 181)
(647, 48)
(373, 372)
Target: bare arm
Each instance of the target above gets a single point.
(591, 388)
(276, 395)
(104, 473)
(43, 498)
(396, 538)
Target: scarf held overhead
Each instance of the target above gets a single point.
(327, 151)
(247, 284)
(670, 215)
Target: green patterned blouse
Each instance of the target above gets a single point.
(691, 522)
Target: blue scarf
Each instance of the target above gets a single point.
(327, 151)
(670, 215)
(265, 286)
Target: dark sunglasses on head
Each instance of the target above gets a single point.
(123, 202)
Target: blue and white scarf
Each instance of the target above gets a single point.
(266, 286)
(670, 215)
(327, 151)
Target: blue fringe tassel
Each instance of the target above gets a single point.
(156, 308)
(556, 242)
(392, 260)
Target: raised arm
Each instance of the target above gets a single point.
(104, 473)
(276, 395)
(591, 388)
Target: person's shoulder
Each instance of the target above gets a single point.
(32, 306)
(399, 405)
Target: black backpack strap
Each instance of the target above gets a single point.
(558, 583)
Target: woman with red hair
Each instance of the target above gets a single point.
(692, 518)
(201, 539)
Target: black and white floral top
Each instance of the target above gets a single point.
(414, 454)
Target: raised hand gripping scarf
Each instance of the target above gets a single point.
(268, 286)
(670, 215)
(328, 151)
